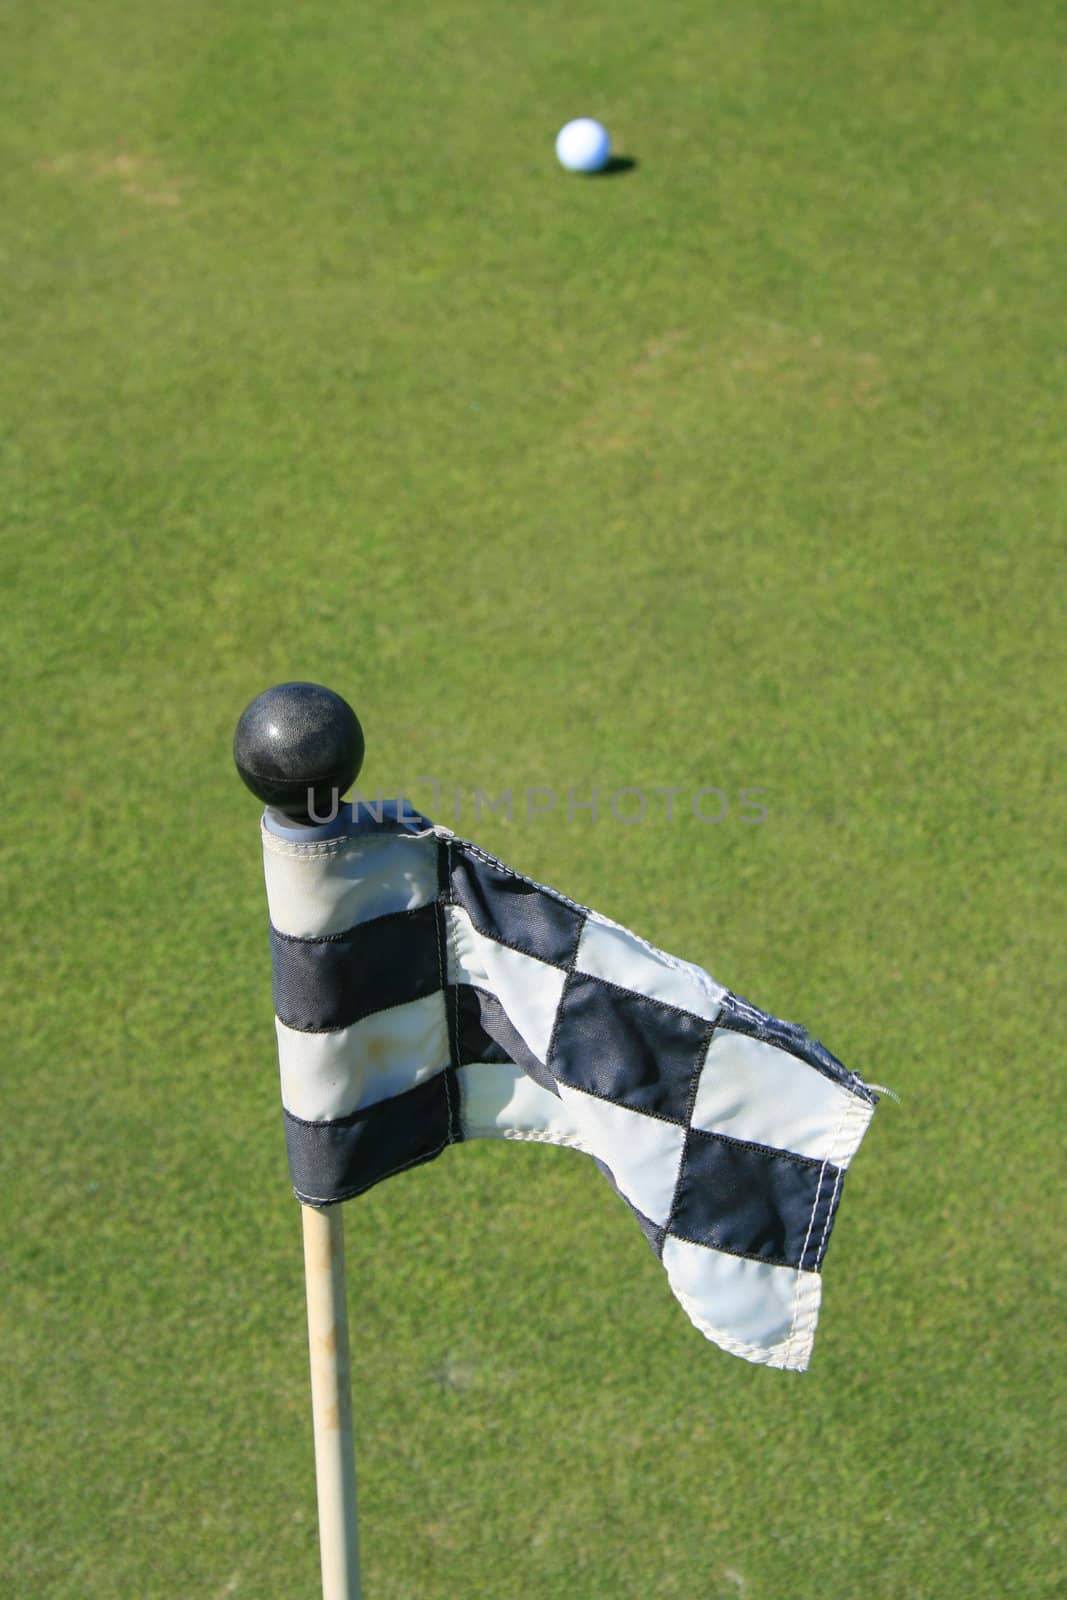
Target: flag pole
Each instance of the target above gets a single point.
(331, 1401)
(298, 747)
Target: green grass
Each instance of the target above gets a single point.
(742, 468)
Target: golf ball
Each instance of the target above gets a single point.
(583, 145)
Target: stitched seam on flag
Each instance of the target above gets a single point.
(835, 1137)
(490, 1130)
(689, 969)
(323, 849)
(495, 861)
(345, 933)
(379, 1011)
(313, 848)
(350, 1194)
(451, 1010)
(846, 1136)
(569, 974)
(715, 992)
(352, 1117)
(509, 944)
(775, 1355)
(303, 850)
(820, 1247)
(798, 1297)
(764, 1149)
(620, 1105)
(743, 1255)
(639, 994)
(802, 1335)
(691, 1101)
(850, 1081)
(491, 994)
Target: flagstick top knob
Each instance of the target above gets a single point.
(298, 746)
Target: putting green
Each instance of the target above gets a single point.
(735, 468)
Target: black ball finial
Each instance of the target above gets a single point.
(298, 746)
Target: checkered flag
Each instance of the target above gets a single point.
(427, 994)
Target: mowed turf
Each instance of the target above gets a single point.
(742, 468)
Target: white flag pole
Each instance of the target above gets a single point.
(298, 747)
(331, 1401)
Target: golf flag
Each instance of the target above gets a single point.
(427, 994)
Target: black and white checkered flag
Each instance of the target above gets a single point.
(427, 994)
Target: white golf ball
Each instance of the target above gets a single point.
(583, 146)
